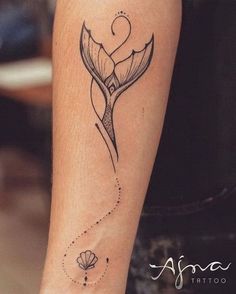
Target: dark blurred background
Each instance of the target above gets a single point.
(190, 206)
(25, 141)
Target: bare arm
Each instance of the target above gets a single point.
(113, 62)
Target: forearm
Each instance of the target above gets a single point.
(108, 118)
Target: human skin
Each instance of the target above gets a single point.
(99, 183)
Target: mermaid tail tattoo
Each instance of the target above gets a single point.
(112, 79)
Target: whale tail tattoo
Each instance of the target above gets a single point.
(112, 79)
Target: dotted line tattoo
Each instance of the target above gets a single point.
(88, 259)
(113, 79)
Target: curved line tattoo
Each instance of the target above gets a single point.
(104, 134)
(109, 150)
(113, 31)
(112, 79)
(113, 156)
(91, 97)
(83, 234)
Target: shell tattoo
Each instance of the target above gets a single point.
(112, 78)
(87, 260)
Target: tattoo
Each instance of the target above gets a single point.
(68, 256)
(112, 79)
(87, 261)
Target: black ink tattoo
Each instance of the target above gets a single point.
(87, 260)
(113, 79)
(67, 255)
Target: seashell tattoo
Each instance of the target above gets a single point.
(87, 260)
(112, 78)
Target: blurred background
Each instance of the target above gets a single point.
(25, 141)
(190, 206)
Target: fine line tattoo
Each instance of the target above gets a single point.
(112, 78)
(88, 253)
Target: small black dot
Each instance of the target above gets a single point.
(85, 284)
(65, 255)
(73, 242)
(85, 232)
